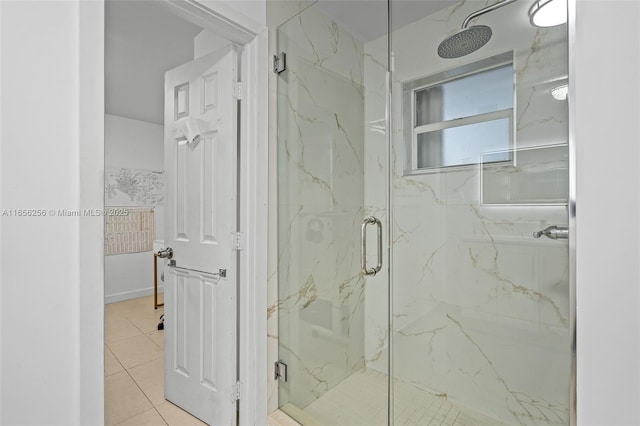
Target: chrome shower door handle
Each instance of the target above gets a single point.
(363, 249)
(554, 232)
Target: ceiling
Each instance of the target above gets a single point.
(143, 40)
(367, 19)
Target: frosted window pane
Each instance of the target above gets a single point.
(463, 145)
(487, 91)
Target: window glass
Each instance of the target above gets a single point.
(463, 145)
(486, 91)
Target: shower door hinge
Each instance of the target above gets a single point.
(279, 63)
(238, 90)
(236, 391)
(237, 241)
(280, 371)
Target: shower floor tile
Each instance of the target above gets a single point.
(361, 399)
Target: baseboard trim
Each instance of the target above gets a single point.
(127, 295)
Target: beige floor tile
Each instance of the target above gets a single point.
(146, 320)
(148, 418)
(111, 364)
(157, 337)
(118, 328)
(141, 355)
(139, 312)
(123, 398)
(135, 350)
(150, 378)
(175, 416)
(131, 306)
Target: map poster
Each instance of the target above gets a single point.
(133, 187)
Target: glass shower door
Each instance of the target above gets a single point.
(332, 318)
(480, 274)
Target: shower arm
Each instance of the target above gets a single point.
(487, 9)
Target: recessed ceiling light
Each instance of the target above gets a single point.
(548, 13)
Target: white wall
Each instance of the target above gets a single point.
(133, 144)
(607, 65)
(51, 369)
(248, 13)
(207, 42)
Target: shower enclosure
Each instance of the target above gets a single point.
(423, 217)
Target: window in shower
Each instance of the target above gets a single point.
(455, 118)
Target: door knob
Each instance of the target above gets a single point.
(166, 253)
(554, 232)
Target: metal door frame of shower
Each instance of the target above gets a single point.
(571, 35)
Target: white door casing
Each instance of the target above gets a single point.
(201, 140)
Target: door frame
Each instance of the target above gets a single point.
(218, 18)
(227, 22)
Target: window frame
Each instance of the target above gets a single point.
(411, 131)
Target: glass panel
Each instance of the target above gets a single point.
(464, 145)
(327, 141)
(480, 307)
(486, 91)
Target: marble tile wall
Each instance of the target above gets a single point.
(320, 206)
(480, 308)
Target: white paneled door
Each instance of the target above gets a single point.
(200, 133)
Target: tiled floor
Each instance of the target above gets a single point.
(361, 399)
(134, 388)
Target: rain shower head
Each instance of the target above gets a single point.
(465, 41)
(470, 39)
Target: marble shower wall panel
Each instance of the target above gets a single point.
(321, 205)
(480, 308)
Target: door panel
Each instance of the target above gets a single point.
(199, 365)
(200, 300)
(332, 319)
(201, 160)
(209, 207)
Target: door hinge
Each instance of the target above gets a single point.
(237, 241)
(236, 391)
(280, 371)
(238, 90)
(279, 63)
